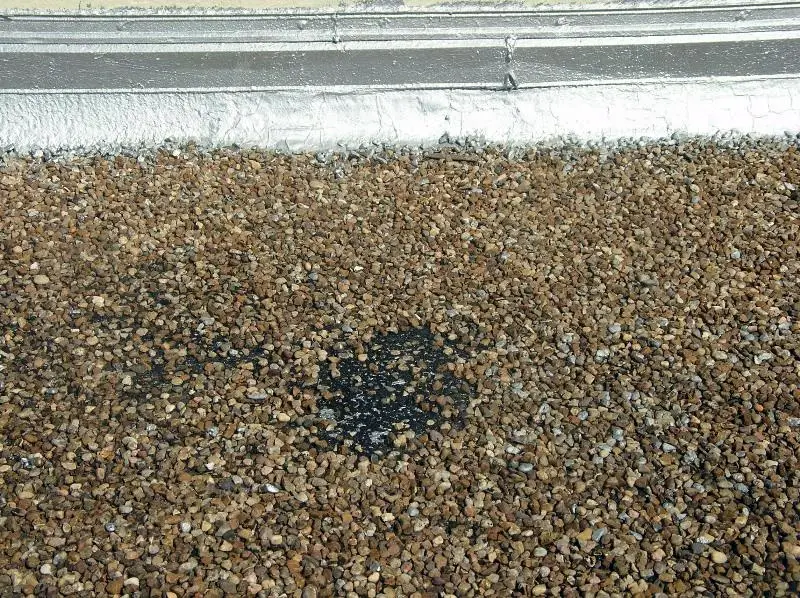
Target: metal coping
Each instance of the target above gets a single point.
(497, 49)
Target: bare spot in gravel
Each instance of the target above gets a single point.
(395, 390)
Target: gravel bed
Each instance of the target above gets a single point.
(464, 373)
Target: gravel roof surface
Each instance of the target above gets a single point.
(568, 372)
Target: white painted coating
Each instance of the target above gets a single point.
(317, 120)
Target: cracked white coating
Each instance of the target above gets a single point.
(305, 120)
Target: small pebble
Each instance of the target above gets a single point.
(705, 539)
(602, 355)
(762, 357)
(719, 557)
(257, 396)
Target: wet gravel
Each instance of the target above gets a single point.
(596, 356)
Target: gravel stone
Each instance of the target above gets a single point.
(719, 557)
(382, 372)
(598, 534)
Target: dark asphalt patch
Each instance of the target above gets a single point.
(403, 384)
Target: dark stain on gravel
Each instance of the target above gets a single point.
(400, 384)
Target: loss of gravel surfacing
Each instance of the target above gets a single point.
(399, 384)
(399, 389)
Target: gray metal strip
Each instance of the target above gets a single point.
(461, 50)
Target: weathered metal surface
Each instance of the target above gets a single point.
(494, 50)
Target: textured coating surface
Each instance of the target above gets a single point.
(302, 120)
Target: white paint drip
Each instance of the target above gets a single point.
(318, 120)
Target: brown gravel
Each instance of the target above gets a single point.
(628, 322)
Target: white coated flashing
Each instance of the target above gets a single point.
(294, 81)
(303, 120)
